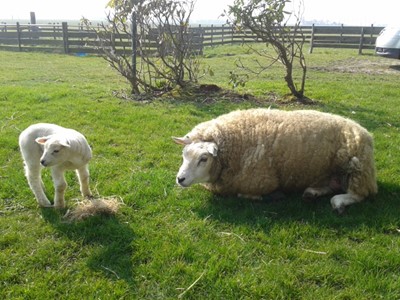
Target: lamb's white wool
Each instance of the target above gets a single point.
(60, 149)
(255, 152)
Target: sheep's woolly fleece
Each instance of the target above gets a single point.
(92, 207)
(261, 150)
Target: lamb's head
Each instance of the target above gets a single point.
(56, 150)
(199, 162)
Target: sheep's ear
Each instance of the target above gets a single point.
(182, 141)
(212, 149)
(42, 140)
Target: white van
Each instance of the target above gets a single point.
(388, 42)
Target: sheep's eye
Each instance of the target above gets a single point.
(56, 151)
(203, 159)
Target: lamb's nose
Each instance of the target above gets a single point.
(180, 179)
(43, 162)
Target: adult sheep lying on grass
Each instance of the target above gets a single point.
(60, 149)
(255, 152)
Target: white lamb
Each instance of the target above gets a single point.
(255, 152)
(60, 149)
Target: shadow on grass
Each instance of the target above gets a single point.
(112, 241)
(380, 212)
(395, 67)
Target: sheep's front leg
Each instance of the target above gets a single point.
(311, 193)
(60, 185)
(83, 176)
(33, 174)
(251, 197)
(339, 202)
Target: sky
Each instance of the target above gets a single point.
(347, 12)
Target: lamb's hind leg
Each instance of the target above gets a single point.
(83, 176)
(33, 174)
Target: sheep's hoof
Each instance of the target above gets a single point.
(251, 197)
(340, 210)
(274, 197)
(309, 196)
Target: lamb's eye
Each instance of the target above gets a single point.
(56, 151)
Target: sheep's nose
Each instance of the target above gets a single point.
(43, 162)
(180, 179)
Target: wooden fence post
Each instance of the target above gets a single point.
(19, 36)
(312, 38)
(134, 50)
(372, 33)
(360, 46)
(201, 40)
(341, 34)
(65, 36)
(212, 32)
(134, 46)
(3, 27)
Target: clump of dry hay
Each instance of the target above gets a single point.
(92, 207)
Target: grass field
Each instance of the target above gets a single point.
(167, 242)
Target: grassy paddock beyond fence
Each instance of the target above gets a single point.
(172, 243)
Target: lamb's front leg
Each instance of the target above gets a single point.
(60, 185)
(33, 174)
(83, 176)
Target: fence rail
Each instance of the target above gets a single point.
(64, 38)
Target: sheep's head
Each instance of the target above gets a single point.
(54, 150)
(198, 161)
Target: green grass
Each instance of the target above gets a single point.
(164, 239)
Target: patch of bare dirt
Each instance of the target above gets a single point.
(373, 65)
(211, 93)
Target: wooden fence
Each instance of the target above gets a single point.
(58, 38)
(76, 39)
(353, 37)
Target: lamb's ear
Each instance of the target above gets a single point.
(212, 148)
(42, 140)
(65, 143)
(182, 140)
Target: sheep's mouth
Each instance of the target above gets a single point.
(182, 181)
(182, 184)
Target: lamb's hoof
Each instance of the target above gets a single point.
(59, 204)
(45, 204)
